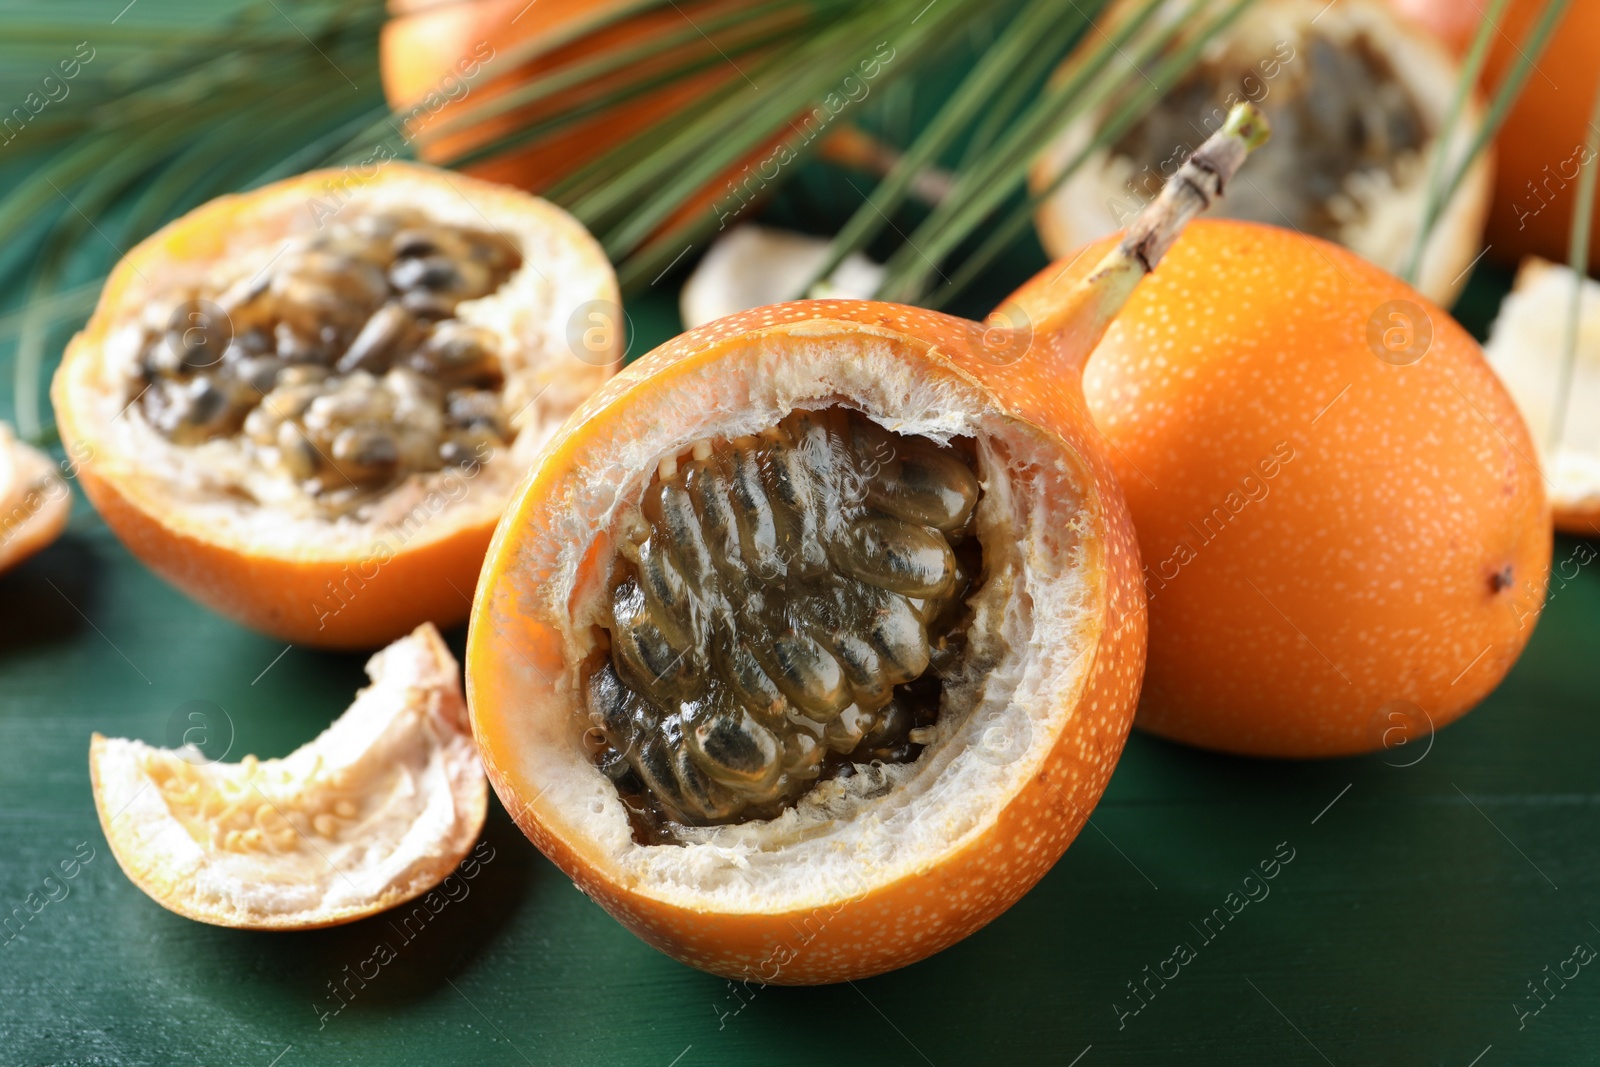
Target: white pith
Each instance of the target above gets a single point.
(1382, 209)
(402, 755)
(190, 486)
(751, 266)
(1527, 347)
(847, 835)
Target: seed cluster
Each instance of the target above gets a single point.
(1337, 110)
(234, 814)
(784, 608)
(341, 367)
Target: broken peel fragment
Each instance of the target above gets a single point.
(34, 502)
(376, 810)
(752, 266)
(1528, 349)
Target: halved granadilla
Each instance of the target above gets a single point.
(307, 404)
(34, 500)
(813, 638)
(1357, 97)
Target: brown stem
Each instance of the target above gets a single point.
(1069, 310)
(1195, 187)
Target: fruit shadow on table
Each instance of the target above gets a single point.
(392, 959)
(47, 599)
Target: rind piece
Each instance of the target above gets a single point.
(1101, 196)
(378, 809)
(34, 500)
(1527, 348)
(752, 266)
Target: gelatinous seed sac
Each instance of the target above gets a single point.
(342, 367)
(1339, 110)
(783, 608)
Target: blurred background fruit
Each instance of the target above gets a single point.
(1541, 147)
(1554, 377)
(1359, 101)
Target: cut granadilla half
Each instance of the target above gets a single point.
(1557, 387)
(307, 404)
(813, 638)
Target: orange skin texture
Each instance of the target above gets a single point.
(420, 50)
(512, 644)
(1539, 150)
(289, 599)
(1363, 569)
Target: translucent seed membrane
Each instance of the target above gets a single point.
(1339, 111)
(341, 367)
(254, 811)
(784, 607)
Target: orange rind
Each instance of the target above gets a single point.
(35, 502)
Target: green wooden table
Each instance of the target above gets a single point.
(1428, 887)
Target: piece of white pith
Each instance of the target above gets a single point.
(376, 810)
(753, 266)
(1527, 348)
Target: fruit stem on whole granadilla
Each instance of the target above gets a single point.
(1069, 310)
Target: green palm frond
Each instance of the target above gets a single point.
(153, 120)
(183, 101)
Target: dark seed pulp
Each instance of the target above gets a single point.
(341, 367)
(1336, 110)
(784, 607)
